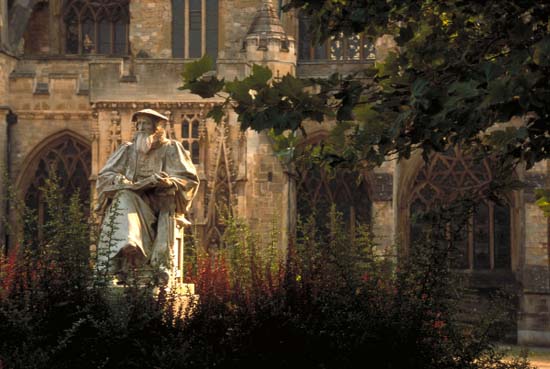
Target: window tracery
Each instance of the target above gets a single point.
(96, 26)
(352, 48)
(486, 241)
(193, 134)
(318, 190)
(71, 161)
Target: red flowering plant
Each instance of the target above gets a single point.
(8, 272)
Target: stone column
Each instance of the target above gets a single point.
(289, 211)
(383, 227)
(57, 31)
(4, 111)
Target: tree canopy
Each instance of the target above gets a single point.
(460, 72)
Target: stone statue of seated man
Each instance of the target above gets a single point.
(145, 186)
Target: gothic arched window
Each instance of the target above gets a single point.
(96, 26)
(318, 190)
(71, 160)
(485, 242)
(193, 132)
(352, 48)
(194, 28)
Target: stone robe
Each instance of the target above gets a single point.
(138, 213)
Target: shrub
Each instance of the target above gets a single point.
(335, 300)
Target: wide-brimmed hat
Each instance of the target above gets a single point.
(152, 113)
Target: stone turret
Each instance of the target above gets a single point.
(266, 42)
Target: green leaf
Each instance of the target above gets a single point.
(498, 92)
(464, 90)
(239, 91)
(260, 76)
(389, 67)
(216, 113)
(491, 71)
(290, 86)
(205, 89)
(194, 70)
(541, 53)
(405, 35)
(543, 200)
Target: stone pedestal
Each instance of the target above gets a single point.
(182, 299)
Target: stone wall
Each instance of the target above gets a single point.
(235, 19)
(48, 98)
(3, 22)
(150, 28)
(381, 183)
(7, 64)
(266, 198)
(534, 318)
(152, 80)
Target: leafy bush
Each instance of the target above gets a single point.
(333, 300)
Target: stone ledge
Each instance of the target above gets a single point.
(60, 75)
(16, 75)
(128, 79)
(533, 338)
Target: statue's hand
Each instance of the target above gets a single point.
(120, 179)
(163, 180)
(166, 182)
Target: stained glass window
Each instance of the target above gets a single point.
(96, 26)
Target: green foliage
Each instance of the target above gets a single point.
(460, 67)
(103, 257)
(264, 103)
(334, 300)
(543, 200)
(195, 80)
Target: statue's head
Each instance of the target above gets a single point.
(147, 120)
(149, 129)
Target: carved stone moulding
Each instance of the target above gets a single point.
(153, 105)
(54, 115)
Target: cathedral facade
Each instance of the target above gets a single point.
(72, 72)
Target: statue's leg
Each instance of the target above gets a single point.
(161, 256)
(127, 233)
